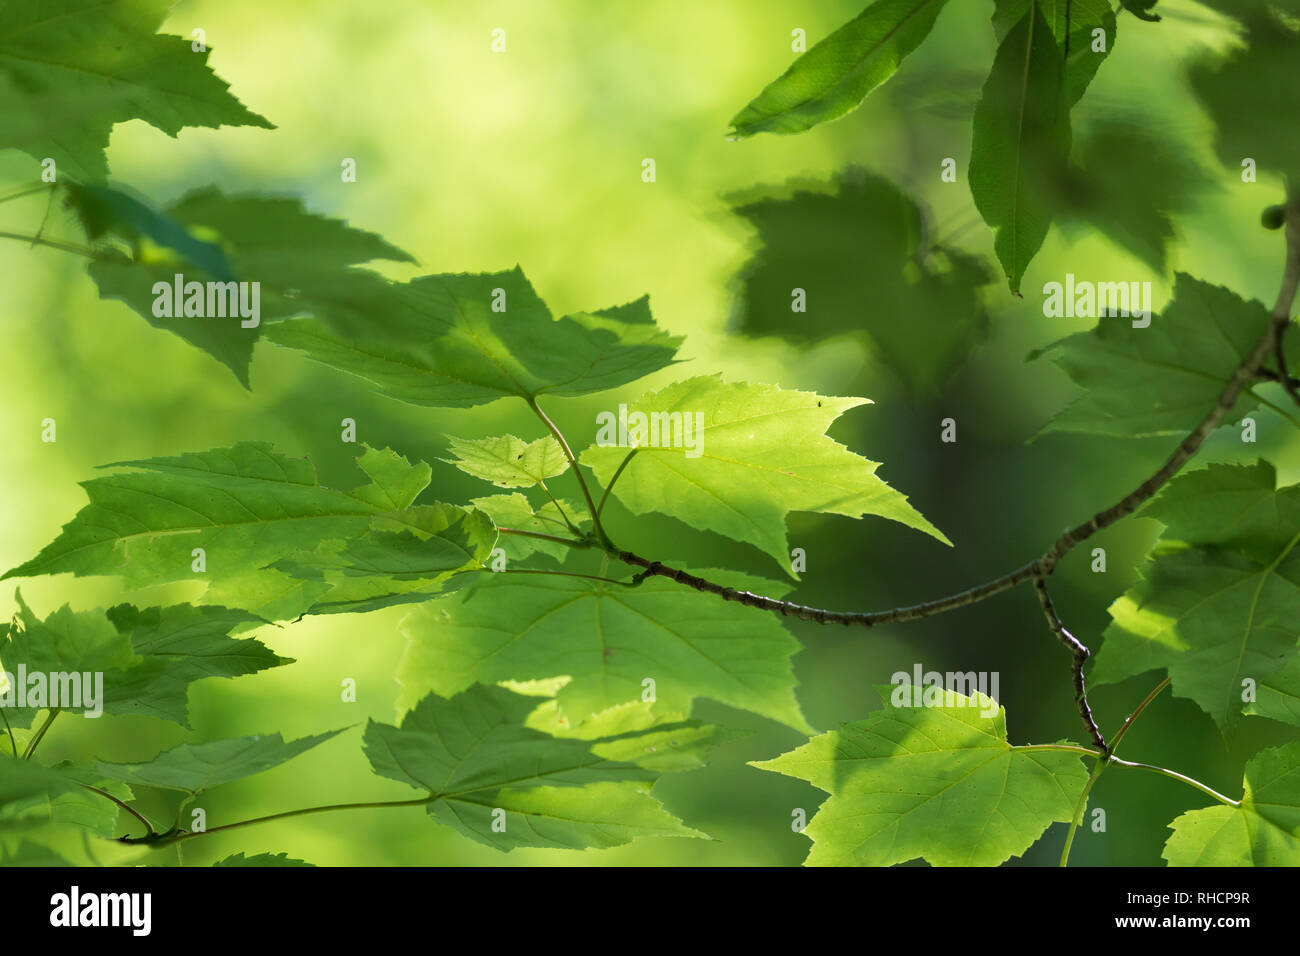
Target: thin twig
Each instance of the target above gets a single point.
(54, 244)
(573, 463)
(13, 744)
(40, 733)
(1079, 654)
(610, 487)
(545, 537)
(1283, 376)
(125, 806)
(1137, 712)
(1174, 774)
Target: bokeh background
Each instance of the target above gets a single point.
(475, 161)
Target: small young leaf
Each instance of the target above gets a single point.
(508, 461)
(836, 75)
(1021, 141)
(1074, 24)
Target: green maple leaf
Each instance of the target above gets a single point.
(476, 758)
(762, 453)
(1263, 831)
(193, 768)
(70, 70)
(1219, 602)
(27, 853)
(936, 783)
(1162, 379)
(608, 639)
(302, 262)
(508, 461)
(246, 506)
(1251, 94)
(1073, 23)
(517, 512)
(857, 247)
(837, 74)
(1021, 141)
(464, 340)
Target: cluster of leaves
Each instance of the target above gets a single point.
(1028, 169)
(524, 692)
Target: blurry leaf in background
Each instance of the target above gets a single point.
(70, 71)
(485, 766)
(33, 796)
(1142, 9)
(946, 93)
(1161, 380)
(1220, 600)
(607, 638)
(193, 768)
(457, 341)
(104, 210)
(302, 262)
(1020, 141)
(1263, 831)
(1073, 24)
(836, 74)
(261, 859)
(758, 450)
(861, 256)
(1130, 200)
(1253, 95)
(937, 782)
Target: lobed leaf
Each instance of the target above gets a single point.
(757, 453)
(939, 783)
